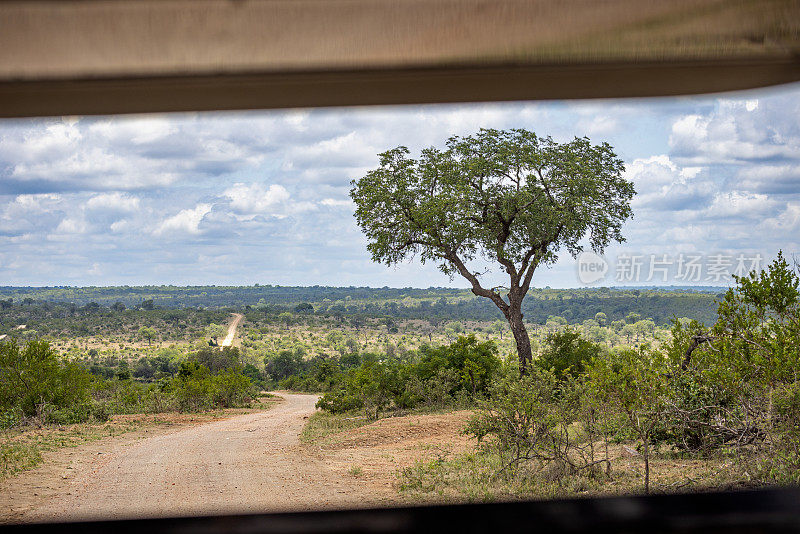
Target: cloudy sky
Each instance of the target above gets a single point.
(262, 197)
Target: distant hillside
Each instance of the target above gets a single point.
(575, 305)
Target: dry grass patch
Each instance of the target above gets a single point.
(479, 476)
(375, 452)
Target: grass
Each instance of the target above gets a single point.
(23, 449)
(322, 425)
(355, 471)
(478, 476)
(17, 457)
(265, 401)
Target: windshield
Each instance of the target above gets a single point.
(357, 307)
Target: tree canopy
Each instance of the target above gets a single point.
(508, 197)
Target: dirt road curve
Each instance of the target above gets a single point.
(249, 463)
(237, 317)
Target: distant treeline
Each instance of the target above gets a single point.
(575, 305)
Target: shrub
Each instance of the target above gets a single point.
(195, 388)
(517, 419)
(567, 353)
(33, 377)
(474, 362)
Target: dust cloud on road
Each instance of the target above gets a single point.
(237, 317)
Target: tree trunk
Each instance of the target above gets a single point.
(521, 337)
(646, 465)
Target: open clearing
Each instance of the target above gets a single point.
(247, 463)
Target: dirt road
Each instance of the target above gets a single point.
(249, 463)
(237, 317)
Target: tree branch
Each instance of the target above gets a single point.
(697, 340)
(477, 289)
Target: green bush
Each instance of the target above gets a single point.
(195, 388)
(77, 413)
(567, 353)
(339, 402)
(33, 377)
(461, 369)
(474, 362)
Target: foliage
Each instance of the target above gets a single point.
(441, 373)
(284, 364)
(147, 333)
(216, 359)
(735, 385)
(473, 363)
(215, 331)
(633, 383)
(56, 311)
(567, 353)
(730, 390)
(36, 382)
(532, 420)
(33, 380)
(197, 388)
(509, 197)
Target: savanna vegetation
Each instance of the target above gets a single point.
(41, 388)
(573, 391)
(92, 361)
(611, 403)
(550, 422)
(713, 406)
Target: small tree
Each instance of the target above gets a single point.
(215, 331)
(633, 317)
(284, 364)
(32, 377)
(304, 307)
(634, 383)
(601, 318)
(567, 353)
(147, 333)
(499, 327)
(737, 383)
(509, 197)
(474, 362)
(286, 318)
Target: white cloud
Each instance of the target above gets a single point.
(118, 202)
(186, 221)
(738, 131)
(50, 140)
(661, 185)
(136, 130)
(71, 225)
(334, 203)
(740, 205)
(30, 204)
(597, 126)
(786, 222)
(783, 178)
(252, 199)
(120, 226)
(268, 187)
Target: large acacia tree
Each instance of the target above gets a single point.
(509, 197)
